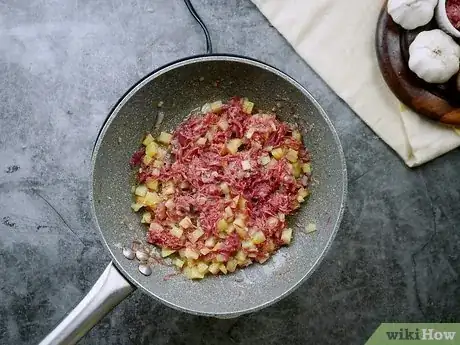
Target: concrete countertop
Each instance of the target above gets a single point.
(63, 64)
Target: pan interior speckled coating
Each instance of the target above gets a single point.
(179, 87)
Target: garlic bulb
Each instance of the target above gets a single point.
(434, 56)
(411, 14)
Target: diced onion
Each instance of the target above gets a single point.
(146, 217)
(152, 199)
(152, 184)
(246, 164)
(148, 139)
(311, 228)
(278, 153)
(286, 236)
(195, 235)
(186, 223)
(176, 231)
(214, 268)
(151, 149)
(166, 252)
(191, 253)
(164, 138)
(258, 237)
(141, 190)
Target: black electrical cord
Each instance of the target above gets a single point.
(203, 26)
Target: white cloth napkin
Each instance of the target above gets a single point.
(336, 38)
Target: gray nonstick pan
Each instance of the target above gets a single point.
(182, 86)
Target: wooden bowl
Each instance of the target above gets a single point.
(439, 102)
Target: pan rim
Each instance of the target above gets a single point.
(218, 57)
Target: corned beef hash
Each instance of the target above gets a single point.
(216, 192)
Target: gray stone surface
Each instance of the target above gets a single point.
(63, 64)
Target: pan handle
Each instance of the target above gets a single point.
(110, 289)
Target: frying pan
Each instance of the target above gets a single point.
(182, 86)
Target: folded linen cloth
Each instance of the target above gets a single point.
(336, 38)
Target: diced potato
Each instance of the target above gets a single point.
(210, 242)
(133, 189)
(242, 232)
(202, 267)
(205, 251)
(239, 222)
(222, 225)
(278, 153)
(178, 262)
(228, 213)
(258, 237)
(233, 145)
(262, 259)
(302, 194)
(247, 245)
(218, 246)
(250, 133)
(193, 273)
(136, 206)
(141, 190)
(223, 268)
(140, 200)
(191, 253)
(264, 160)
(214, 268)
(152, 199)
(306, 168)
(220, 258)
(176, 231)
(270, 246)
(164, 138)
(166, 252)
(230, 229)
(146, 217)
(216, 106)
(148, 139)
(206, 108)
(286, 236)
(231, 265)
(224, 188)
(296, 169)
(281, 217)
(242, 203)
(272, 222)
(147, 160)
(152, 184)
(296, 135)
(292, 155)
(240, 256)
(195, 235)
(222, 124)
(311, 228)
(201, 141)
(170, 204)
(186, 223)
(158, 164)
(248, 106)
(168, 188)
(151, 149)
(246, 164)
(161, 153)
